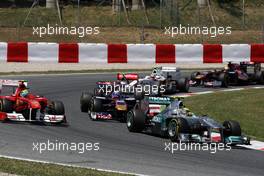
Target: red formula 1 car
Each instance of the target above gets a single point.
(22, 106)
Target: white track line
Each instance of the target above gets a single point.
(256, 145)
(215, 91)
(231, 90)
(70, 165)
(205, 92)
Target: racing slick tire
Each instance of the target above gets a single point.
(139, 95)
(171, 87)
(223, 77)
(176, 126)
(235, 80)
(85, 100)
(232, 128)
(183, 84)
(58, 108)
(173, 130)
(260, 77)
(96, 105)
(135, 120)
(6, 106)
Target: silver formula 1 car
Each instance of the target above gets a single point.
(167, 116)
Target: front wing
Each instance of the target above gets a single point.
(18, 117)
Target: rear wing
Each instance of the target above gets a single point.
(11, 83)
(167, 69)
(170, 69)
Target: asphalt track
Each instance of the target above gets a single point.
(119, 149)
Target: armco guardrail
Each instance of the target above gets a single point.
(129, 53)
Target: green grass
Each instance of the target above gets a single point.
(103, 15)
(115, 29)
(246, 106)
(26, 168)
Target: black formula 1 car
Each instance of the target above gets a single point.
(214, 78)
(245, 73)
(106, 103)
(233, 74)
(167, 117)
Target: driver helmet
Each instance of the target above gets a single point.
(188, 112)
(153, 74)
(24, 93)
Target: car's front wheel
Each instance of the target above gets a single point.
(58, 108)
(232, 128)
(173, 130)
(6, 106)
(96, 105)
(176, 126)
(135, 120)
(85, 101)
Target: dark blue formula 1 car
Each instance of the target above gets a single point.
(106, 103)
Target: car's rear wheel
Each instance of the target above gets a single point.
(232, 128)
(260, 77)
(58, 108)
(135, 120)
(6, 106)
(183, 84)
(223, 77)
(171, 87)
(85, 101)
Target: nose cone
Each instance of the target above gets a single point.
(34, 104)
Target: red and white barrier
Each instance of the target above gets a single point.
(129, 53)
